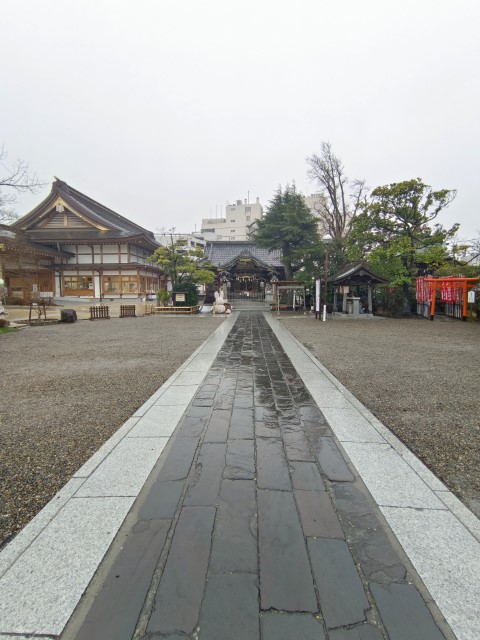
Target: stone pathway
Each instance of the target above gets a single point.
(254, 526)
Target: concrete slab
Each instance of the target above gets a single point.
(447, 557)
(41, 590)
(28, 534)
(460, 511)
(410, 458)
(389, 478)
(92, 463)
(159, 420)
(189, 377)
(304, 365)
(177, 395)
(125, 470)
(326, 395)
(201, 362)
(350, 426)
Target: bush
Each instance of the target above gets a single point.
(163, 296)
(4, 322)
(190, 289)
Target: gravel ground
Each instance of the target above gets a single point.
(419, 378)
(66, 388)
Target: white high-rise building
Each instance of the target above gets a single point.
(315, 202)
(234, 226)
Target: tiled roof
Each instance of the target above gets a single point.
(355, 273)
(18, 240)
(119, 227)
(221, 253)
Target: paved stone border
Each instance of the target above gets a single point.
(439, 534)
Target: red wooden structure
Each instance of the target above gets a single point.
(452, 291)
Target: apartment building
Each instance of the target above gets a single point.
(235, 225)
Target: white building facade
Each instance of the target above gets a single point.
(235, 225)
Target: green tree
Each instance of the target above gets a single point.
(183, 264)
(290, 226)
(394, 232)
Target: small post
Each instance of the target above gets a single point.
(327, 238)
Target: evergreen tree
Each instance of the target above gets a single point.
(290, 226)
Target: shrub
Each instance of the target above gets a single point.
(190, 289)
(163, 296)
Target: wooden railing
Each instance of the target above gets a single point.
(127, 311)
(100, 312)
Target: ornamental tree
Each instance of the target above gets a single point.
(183, 264)
(394, 232)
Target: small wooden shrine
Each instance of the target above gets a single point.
(359, 276)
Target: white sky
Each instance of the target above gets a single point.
(164, 110)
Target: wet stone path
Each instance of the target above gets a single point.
(254, 526)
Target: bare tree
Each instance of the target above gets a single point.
(341, 197)
(15, 177)
(473, 251)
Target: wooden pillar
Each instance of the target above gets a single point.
(370, 304)
(335, 292)
(344, 301)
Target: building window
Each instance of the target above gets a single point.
(232, 237)
(110, 284)
(248, 218)
(207, 231)
(232, 230)
(77, 282)
(129, 284)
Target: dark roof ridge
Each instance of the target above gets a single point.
(72, 192)
(91, 208)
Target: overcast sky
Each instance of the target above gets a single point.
(165, 110)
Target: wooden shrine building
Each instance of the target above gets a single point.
(352, 280)
(72, 246)
(245, 270)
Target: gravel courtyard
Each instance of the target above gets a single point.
(67, 388)
(419, 378)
